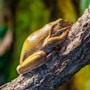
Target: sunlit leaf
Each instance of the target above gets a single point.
(83, 5)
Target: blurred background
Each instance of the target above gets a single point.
(19, 18)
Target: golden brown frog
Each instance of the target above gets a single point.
(52, 34)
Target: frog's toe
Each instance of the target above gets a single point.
(18, 69)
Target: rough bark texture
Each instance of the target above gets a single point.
(59, 67)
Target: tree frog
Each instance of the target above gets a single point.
(52, 34)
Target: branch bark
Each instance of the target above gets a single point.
(59, 67)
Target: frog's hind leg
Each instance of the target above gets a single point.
(32, 62)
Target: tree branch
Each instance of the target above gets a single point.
(60, 66)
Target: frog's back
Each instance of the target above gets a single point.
(34, 42)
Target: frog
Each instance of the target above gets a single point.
(40, 43)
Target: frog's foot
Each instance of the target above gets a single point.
(32, 62)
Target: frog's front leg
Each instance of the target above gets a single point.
(53, 41)
(32, 62)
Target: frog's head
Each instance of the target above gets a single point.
(60, 26)
(57, 35)
(60, 23)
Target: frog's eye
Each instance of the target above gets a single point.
(54, 29)
(62, 24)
